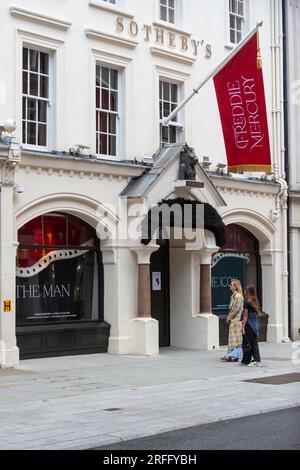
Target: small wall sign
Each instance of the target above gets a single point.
(156, 281)
(6, 305)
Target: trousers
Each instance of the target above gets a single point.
(250, 346)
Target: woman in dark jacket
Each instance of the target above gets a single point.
(250, 328)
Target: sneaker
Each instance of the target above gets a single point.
(254, 364)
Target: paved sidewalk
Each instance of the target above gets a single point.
(89, 401)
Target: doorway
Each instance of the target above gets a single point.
(160, 291)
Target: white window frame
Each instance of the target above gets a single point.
(53, 47)
(177, 12)
(118, 113)
(37, 98)
(244, 19)
(120, 63)
(178, 122)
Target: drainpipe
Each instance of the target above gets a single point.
(279, 149)
(282, 205)
(287, 155)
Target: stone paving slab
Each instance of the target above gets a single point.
(63, 403)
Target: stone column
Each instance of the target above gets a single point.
(209, 323)
(205, 288)
(144, 294)
(145, 337)
(9, 352)
(205, 282)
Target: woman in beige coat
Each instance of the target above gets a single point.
(235, 339)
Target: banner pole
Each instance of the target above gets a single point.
(212, 73)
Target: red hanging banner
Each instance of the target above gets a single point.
(242, 106)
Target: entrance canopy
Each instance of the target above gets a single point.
(212, 221)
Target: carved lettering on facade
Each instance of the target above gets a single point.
(163, 37)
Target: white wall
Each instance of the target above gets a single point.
(141, 69)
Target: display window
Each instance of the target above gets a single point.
(59, 273)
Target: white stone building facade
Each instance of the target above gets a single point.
(101, 74)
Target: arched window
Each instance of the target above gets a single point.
(59, 271)
(240, 259)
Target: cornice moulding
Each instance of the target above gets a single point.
(54, 165)
(165, 54)
(172, 73)
(46, 40)
(243, 185)
(39, 18)
(110, 9)
(111, 38)
(114, 59)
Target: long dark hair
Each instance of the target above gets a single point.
(250, 294)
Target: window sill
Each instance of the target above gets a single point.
(230, 45)
(107, 158)
(35, 148)
(110, 8)
(171, 27)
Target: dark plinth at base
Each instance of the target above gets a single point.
(62, 340)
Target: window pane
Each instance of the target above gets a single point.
(42, 131)
(114, 101)
(166, 108)
(112, 146)
(172, 16)
(24, 132)
(42, 108)
(171, 4)
(103, 144)
(103, 122)
(112, 123)
(174, 93)
(25, 83)
(164, 134)
(24, 108)
(104, 99)
(25, 58)
(238, 36)
(163, 2)
(98, 75)
(232, 35)
(97, 97)
(241, 8)
(34, 60)
(31, 133)
(172, 135)
(31, 110)
(33, 88)
(239, 24)
(114, 79)
(166, 91)
(44, 92)
(44, 63)
(105, 77)
(173, 106)
(232, 21)
(163, 13)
